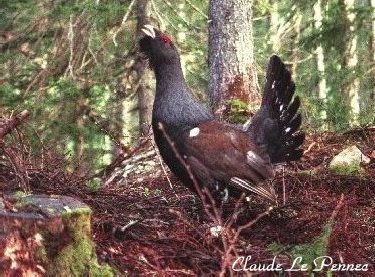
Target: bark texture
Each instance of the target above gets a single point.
(372, 49)
(297, 30)
(274, 27)
(319, 55)
(145, 94)
(351, 88)
(232, 72)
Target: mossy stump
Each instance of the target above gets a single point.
(44, 235)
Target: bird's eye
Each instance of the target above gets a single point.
(165, 38)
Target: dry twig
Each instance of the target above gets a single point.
(8, 125)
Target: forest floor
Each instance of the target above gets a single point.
(155, 226)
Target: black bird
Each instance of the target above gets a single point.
(220, 155)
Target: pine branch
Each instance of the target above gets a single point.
(124, 19)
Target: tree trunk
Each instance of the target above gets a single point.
(232, 74)
(319, 54)
(372, 51)
(44, 235)
(145, 94)
(274, 27)
(78, 135)
(297, 31)
(351, 88)
(119, 115)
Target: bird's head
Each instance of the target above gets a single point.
(157, 47)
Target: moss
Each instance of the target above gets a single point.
(94, 184)
(78, 257)
(317, 248)
(349, 169)
(74, 259)
(23, 203)
(237, 111)
(104, 270)
(19, 194)
(50, 210)
(309, 251)
(41, 254)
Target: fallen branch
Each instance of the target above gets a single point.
(9, 124)
(310, 147)
(119, 160)
(337, 209)
(360, 130)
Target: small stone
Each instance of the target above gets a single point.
(348, 160)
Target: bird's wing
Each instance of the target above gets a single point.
(227, 155)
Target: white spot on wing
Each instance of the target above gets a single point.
(246, 125)
(194, 132)
(226, 196)
(273, 84)
(251, 156)
(287, 130)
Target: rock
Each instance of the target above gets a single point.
(44, 235)
(348, 161)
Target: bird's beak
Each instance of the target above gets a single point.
(149, 30)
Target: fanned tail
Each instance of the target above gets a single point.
(276, 125)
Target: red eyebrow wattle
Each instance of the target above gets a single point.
(165, 38)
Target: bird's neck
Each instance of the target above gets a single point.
(174, 104)
(169, 79)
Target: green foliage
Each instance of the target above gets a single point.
(59, 60)
(307, 253)
(317, 248)
(94, 184)
(60, 80)
(333, 36)
(148, 192)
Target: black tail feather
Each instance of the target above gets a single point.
(292, 156)
(277, 123)
(290, 148)
(297, 140)
(294, 124)
(291, 110)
